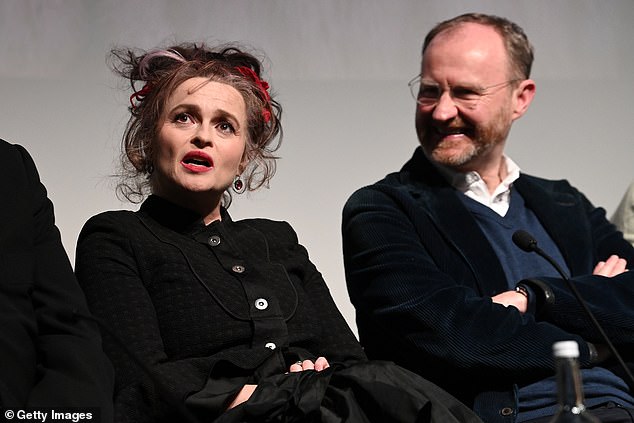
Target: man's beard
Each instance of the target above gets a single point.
(475, 143)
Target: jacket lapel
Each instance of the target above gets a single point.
(441, 202)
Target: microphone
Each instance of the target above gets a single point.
(528, 243)
(525, 241)
(74, 316)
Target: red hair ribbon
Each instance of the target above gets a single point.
(263, 85)
(140, 95)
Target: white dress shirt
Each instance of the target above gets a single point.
(473, 186)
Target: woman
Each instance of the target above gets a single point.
(231, 319)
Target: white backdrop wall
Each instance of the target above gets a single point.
(340, 70)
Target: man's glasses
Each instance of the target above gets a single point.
(428, 93)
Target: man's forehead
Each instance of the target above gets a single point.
(469, 44)
(468, 31)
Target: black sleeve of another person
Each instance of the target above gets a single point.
(46, 358)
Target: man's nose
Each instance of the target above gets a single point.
(446, 108)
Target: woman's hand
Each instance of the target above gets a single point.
(244, 394)
(247, 390)
(320, 364)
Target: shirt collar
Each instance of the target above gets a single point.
(466, 181)
(473, 186)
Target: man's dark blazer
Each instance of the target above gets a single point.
(421, 274)
(47, 359)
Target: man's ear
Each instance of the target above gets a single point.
(522, 98)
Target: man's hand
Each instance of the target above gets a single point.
(512, 298)
(613, 266)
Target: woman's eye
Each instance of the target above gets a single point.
(226, 128)
(182, 118)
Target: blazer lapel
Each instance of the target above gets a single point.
(441, 202)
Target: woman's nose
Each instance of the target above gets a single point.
(203, 136)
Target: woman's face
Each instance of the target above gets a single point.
(201, 142)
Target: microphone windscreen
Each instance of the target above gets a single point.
(525, 241)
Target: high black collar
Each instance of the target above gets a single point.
(176, 217)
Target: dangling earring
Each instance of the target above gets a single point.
(238, 185)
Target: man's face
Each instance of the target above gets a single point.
(467, 126)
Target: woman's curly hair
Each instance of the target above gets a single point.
(160, 72)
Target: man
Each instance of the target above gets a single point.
(437, 283)
(48, 359)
